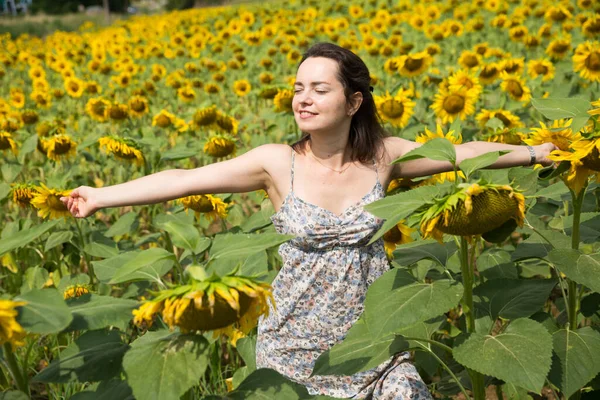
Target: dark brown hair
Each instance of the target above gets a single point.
(366, 132)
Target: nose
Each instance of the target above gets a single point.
(303, 97)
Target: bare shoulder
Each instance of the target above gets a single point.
(396, 147)
(274, 155)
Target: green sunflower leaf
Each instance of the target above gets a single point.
(521, 355)
(576, 359)
(26, 236)
(92, 311)
(397, 300)
(45, 312)
(582, 268)
(439, 149)
(162, 365)
(94, 356)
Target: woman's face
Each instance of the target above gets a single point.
(319, 102)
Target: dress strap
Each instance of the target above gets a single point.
(376, 172)
(292, 172)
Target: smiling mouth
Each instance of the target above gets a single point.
(306, 113)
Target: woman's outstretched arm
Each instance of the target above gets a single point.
(518, 156)
(245, 173)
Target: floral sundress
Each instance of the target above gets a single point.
(319, 293)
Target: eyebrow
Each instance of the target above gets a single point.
(312, 83)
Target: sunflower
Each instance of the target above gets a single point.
(586, 61)
(414, 64)
(397, 109)
(163, 119)
(473, 209)
(489, 73)
(454, 138)
(186, 94)
(469, 59)
(48, 203)
(204, 117)
(212, 207)
(509, 120)
(29, 117)
(398, 234)
(561, 138)
(591, 27)
(220, 146)
(7, 143)
(122, 148)
(138, 106)
(97, 109)
(22, 193)
(466, 79)
(585, 162)
(283, 100)
(226, 123)
(42, 99)
(518, 33)
(228, 305)
(558, 48)
(17, 98)
(118, 112)
(92, 87)
(60, 146)
(10, 330)
(74, 87)
(75, 291)
(450, 104)
(212, 88)
(268, 92)
(242, 87)
(515, 86)
(543, 67)
(558, 13)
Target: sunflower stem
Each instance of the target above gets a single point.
(466, 267)
(88, 263)
(573, 298)
(13, 367)
(445, 366)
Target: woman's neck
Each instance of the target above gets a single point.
(333, 150)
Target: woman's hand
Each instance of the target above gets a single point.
(82, 202)
(542, 152)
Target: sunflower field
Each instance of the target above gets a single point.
(495, 278)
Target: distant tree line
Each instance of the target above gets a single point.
(70, 6)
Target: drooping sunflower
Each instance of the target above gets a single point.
(450, 104)
(219, 146)
(242, 87)
(122, 148)
(228, 305)
(117, 112)
(138, 106)
(586, 61)
(453, 137)
(397, 109)
(226, 123)
(23, 193)
(48, 203)
(585, 162)
(7, 143)
(29, 117)
(283, 100)
(561, 138)
(543, 67)
(473, 209)
(76, 290)
(398, 234)
(204, 117)
(10, 330)
(212, 207)
(515, 86)
(414, 64)
(59, 147)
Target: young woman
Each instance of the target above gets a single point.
(318, 187)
